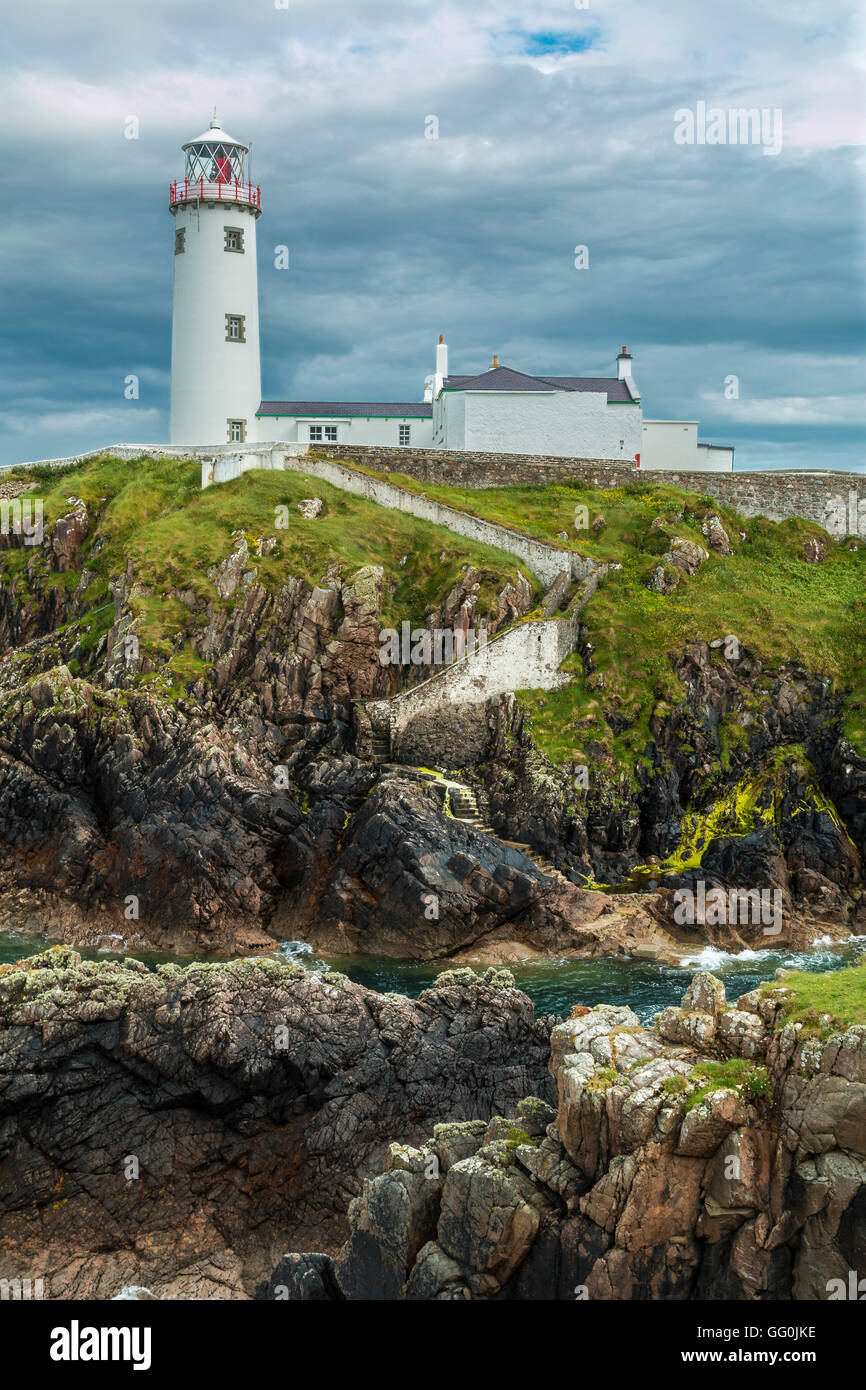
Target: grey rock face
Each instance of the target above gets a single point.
(666, 1174)
(248, 1101)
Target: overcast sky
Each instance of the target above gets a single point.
(556, 129)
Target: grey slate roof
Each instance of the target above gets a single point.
(508, 379)
(616, 389)
(497, 379)
(413, 410)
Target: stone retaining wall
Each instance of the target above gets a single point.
(526, 656)
(835, 500)
(470, 468)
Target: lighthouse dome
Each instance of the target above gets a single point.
(215, 133)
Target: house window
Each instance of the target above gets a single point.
(331, 434)
(235, 328)
(180, 241)
(405, 431)
(315, 433)
(237, 431)
(234, 239)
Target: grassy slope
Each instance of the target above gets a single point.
(154, 513)
(777, 605)
(823, 1003)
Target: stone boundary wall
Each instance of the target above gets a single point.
(546, 562)
(834, 499)
(476, 469)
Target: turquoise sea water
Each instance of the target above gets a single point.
(553, 985)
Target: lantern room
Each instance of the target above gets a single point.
(216, 168)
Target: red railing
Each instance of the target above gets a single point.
(223, 190)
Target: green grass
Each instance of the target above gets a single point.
(823, 1003)
(780, 608)
(748, 1079)
(765, 594)
(153, 513)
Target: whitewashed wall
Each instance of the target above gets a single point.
(526, 657)
(366, 430)
(713, 459)
(559, 424)
(212, 380)
(672, 446)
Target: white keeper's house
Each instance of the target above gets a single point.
(216, 397)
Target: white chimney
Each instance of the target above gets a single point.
(441, 364)
(623, 364)
(428, 390)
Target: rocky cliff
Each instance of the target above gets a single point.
(183, 750)
(720, 1154)
(180, 1129)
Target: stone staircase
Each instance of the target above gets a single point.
(665, 943)
(465, 808)
(549, 870)
(380, 746)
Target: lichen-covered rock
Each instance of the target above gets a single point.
(310, 508)
(686, 555)
(155, 1124)
(669, 1173)
(486, 1225)
(717, 537)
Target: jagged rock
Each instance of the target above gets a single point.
(69, 532)
(300, 1278)
(663, 580)
(816, 549)
(709, 1122)
(412, 882)
(393, 1218)
(254, 1097)
(231, 572)
(705, 995)
(486, 1226)
(637, 1193)
(685, 555)
(310, 508)
(717, 537)
(515, 600)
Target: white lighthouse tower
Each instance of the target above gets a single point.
(215, 366)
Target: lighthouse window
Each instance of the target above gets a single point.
(235, 328)
(179, 241)
(405, 433)
(237, 431)
(234, 239)
(315, 433)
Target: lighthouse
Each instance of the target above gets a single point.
(215, 365)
